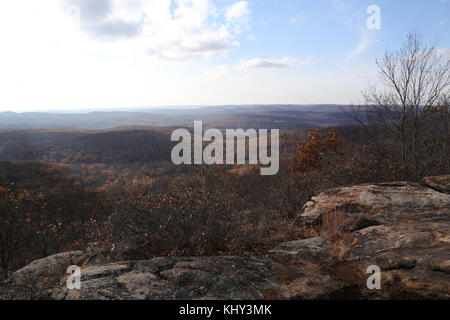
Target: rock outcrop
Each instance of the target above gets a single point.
(439, 183)
(413, 254)
(403, 228)
(177, 278)
(390, 199)
(44, 270)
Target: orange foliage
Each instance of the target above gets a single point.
(310, 154)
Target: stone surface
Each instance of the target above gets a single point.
(312, 286)
(404, 228)
(388, 198)
(177, 278)
(44, 270)
(439, 183)
(301, 249)
(415, 252)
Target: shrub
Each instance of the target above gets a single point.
(192, 222)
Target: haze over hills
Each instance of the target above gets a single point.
(120, 140)
(283, 117)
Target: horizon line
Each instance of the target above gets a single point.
(173, 107)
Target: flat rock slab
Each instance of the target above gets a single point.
(439, 183)
(391, 198)
(176, 278)
(414, 253)
(301, 250)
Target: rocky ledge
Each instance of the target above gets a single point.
(403, 228)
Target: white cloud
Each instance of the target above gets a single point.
(271, 63)
(444, 53)
(257, 63)
(64, 62)
(355, 19)
(237, 11)
(165, 29)
(366, 39)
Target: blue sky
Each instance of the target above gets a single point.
(329, 30)
(76, 54)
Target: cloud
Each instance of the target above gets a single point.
(444, 53)
(100, 19)
(164, 29)
(299, 17)
(90, 10)
(257, 63)
(237, 11)
(268, 63)
(355, 18)
(116, 29)
(439, 23)
(340, 5)
(366, 39)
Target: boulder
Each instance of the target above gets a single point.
(43, 271)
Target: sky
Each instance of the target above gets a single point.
(88, 54)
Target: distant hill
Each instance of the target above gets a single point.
(283, 117)
(35, 175)
(74, 147)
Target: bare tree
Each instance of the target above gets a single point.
(436, 145)
(415, 79)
